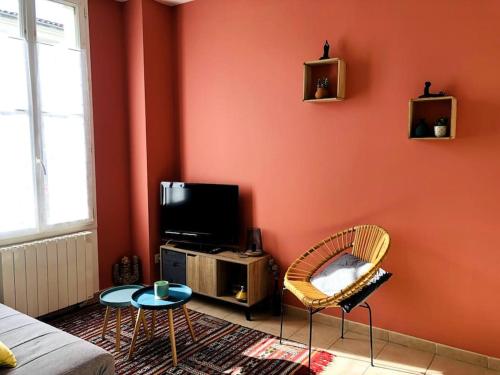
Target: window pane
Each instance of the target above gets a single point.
(13, 76)
(56, 23)
(66, 164)
(60, 77)
(9, 18)
(17, 190)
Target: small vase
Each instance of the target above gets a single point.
(440, 130)
(321, 93)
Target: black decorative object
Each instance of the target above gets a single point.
(326, 49)
(276, 299)
(254, 242)
(422, 128)
(428, 94)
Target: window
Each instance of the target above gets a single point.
(46, 162)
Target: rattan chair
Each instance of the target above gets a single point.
(367, 242)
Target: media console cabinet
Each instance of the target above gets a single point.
(217, 275)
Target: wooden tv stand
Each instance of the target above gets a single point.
(214, 275)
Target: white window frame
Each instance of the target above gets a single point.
(27, 21)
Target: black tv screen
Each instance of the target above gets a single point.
(200, 213)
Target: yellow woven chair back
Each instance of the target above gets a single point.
(367, 242)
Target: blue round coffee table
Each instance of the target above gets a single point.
(117, 297)
(144, 299)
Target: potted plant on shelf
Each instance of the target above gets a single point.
(322, 88)
(441, 127)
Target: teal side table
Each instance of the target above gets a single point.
(119, 297)
(144, 299)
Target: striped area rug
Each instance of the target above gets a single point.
(221, 347)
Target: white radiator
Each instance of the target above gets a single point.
(39, 277)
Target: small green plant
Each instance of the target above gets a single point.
(323, 83)
(442, 121)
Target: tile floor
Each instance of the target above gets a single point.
(352, 352)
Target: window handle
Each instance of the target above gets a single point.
(41, 164)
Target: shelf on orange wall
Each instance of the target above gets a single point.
(431, 109)
(334, 69)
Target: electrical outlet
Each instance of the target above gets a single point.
(157, 258)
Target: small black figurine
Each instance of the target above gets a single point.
(427, 93)
(326, 48)
(422, 128)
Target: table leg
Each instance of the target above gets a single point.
(118, 328)
(186, 315)
(153, 323)
(106, 318)
(132, 316)
(143, 320)
(138, 321)
(172, 337)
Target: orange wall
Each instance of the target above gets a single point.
(109, 95)
(132, 61)
(308, 170)
(162, 143)
(149, 46)
(137, 133)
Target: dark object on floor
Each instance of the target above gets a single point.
(428, 94)
(326, 49)
(221, 346)
(126, 273)
(422, 128)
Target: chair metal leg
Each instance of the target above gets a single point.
(371, 331)
(310, 336)
(282, 313)
(342, 331)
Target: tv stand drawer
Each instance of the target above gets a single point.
(173, 266)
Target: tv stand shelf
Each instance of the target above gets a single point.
(214, 275)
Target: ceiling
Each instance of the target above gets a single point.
(173, 2)
(167, 2)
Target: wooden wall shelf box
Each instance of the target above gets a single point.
(334, 69)
(213, 275)
(431, 109)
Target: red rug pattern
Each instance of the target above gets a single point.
(221, 347)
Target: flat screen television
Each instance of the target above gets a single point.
(199, 213)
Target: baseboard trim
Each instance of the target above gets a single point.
(473, 358)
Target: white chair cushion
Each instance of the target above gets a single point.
(341, 273)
